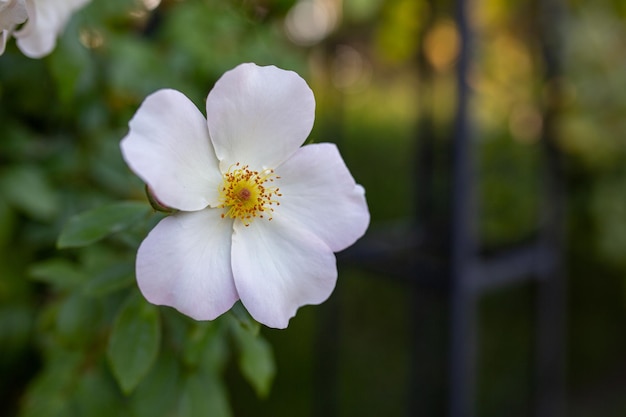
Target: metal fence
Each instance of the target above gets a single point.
(446, 262)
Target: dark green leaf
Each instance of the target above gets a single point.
(77, 319)
(110, 280)
(48, 394)
(93, 225)
(59, 272)
(7, 222)
(244, 318)
(206, 346)
(70, 65)
(256, 360)
(96, 394)
(26, 188)
(157, 394)
(203, 395)
(196, 342)
(134, 342)
(16, 325)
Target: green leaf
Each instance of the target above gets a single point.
(203, 395)
(93, 225)
(48, 394)
(96, 395)
(58, 272)
(158, 392)
(71, 64)
(206, 346)
(26, 188)
(16, 326)
(256, 359)
(196, 342)
(110, 280)
(77, 319)
(134, 342)
(239, 312)
(8, 220)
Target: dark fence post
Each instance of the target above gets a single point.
(453, 273)
(551, 292)
(463, 240)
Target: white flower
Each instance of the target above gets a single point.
(12, 13)
(259, 216)
(45, 20)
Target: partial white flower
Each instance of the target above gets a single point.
(12, 13)
(45, 20)
(259, 216)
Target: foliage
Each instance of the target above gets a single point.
(72, 321)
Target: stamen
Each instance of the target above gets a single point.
(245, 195)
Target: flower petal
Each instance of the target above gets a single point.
(185, 263)
(168, 146)
(259, 115)
(12, 12)
(46, 20)
(319, 193)
(4, 35)
(279, 267)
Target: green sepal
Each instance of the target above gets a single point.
(156, 204)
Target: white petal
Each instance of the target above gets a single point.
(46, 21)
(319, 192)
(168, 146)
(279, 267)
(4, 35)
(185, 263)
(259, 116)
(12, 12)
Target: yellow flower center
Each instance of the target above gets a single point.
(246, 194)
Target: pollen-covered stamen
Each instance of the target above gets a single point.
(245, 194)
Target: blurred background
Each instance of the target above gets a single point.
(542, 89)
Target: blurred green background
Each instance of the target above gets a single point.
(62, 118)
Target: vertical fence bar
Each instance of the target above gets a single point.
(551, 298)
(470, 275)
(462, 245)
